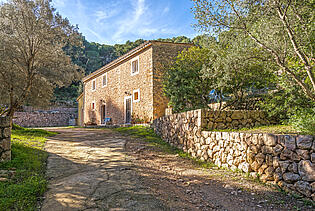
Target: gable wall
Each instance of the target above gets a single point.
(163, 55)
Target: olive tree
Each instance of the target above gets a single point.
(283, 29)
(32, 60)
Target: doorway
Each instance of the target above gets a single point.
(103, 113)
(128, 109)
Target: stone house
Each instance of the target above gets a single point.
(129, 89)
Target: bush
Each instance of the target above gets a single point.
(304, 120)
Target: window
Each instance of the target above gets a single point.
(104, 78)
(135, 66)
(136, 95)
(93, 105)
(94, 85)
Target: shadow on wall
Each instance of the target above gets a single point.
(114, 112)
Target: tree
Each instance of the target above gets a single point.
(283, 29)
(32, 59)
(183, 82)
(235, 70)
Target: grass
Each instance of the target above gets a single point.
(147, 134)
(276, 129)
(21, 192)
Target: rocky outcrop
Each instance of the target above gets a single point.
(285, 160)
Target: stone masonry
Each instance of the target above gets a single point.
(285, 160)
(5, 139)
(152, 57)
(33, 119)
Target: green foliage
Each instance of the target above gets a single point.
(29, 161)
(282, 30)
(304, 120)
(235, 70)
(183, 82)
(32, 60)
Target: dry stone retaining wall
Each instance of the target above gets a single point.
(33, 119)
(285, 160)
(5, 139)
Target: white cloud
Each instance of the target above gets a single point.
(102, 15)
(130, 25)
(166, 10)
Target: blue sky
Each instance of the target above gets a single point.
(116, 21)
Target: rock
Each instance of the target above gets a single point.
(255, 166)
(313, 157)
(269, 171)
(307, 170)
(277, 150)
(304, 154)
(267, 150)
(266, 177)
(237, 115)
(295, 157)
(275, 162)
(270, 140)
(244, 167)
(304, 141)
(277, 177)
(284, 166)
(313, 186)
(286, 153)
(313, 196)
(228, 119)
(269, 160)
(293, 167)
(291, 177)
(253, 175)
(289, 142)
(6, 132)
(262, 169)
(303, 187)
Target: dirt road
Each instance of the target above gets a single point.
(92, 169)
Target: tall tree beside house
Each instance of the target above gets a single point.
(283, 29)
(32, 59)
(183, 82)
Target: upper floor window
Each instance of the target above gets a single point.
(135, 66)
(94, 85)
(104, 79)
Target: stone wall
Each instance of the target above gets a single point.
(34, 119)
(5, 139)
(232, 119)
(285, 160)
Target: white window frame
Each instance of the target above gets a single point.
(133, 94)
(94, 80)
(105, 74)
(135, 59)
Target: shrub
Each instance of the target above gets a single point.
(304, 120)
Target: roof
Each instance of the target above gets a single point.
(79, 96)
(126, 56)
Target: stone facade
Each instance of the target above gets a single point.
(285, 160)
(121, 84)
(34, 119)
(5, 139)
